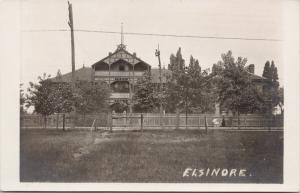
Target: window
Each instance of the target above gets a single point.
(121, 68)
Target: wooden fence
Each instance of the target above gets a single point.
(149, 121)
(64, 121)
(193, 121)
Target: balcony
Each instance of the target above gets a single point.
(119, 95)
(118, 73)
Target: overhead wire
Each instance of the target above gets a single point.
(157, 34)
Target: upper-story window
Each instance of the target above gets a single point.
(121, 68)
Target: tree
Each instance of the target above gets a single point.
(63, 97)
(41, 97)
(91, 97)
(177, 62)
(274, 72)
(235, 89)
(175, 89)
(22, 100)
(188, 87)
(146, 96)
(281, 100)
(271, 89)
(200, 89)
(267, 71)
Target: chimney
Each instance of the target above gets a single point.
(251, 68)
(134, 54)
(109, 53)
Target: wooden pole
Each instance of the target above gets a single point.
(93, 125)
(206, 127)
(110, 122)
(64, 118)
(186, 111)
(142, 120)
(157, 53)
(57, 119)
(73, 60)
(109, 75)
(177, 118)
(239, 120)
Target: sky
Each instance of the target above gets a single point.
(47, 51)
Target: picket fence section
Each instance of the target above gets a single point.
(149, 121)
(63, 121)
(195, 120)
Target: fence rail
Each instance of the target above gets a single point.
(63, 121)
(140, 121)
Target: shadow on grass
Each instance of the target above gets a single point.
(149, 156)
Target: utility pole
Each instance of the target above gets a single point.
(157, 53)
(70, 22)
(186, 97)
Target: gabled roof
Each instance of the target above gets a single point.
(84, 73)
(256, 77)
(121, 53)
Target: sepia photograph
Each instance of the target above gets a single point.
(173, 91)
(149, 100)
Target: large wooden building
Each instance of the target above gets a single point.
(121, 70)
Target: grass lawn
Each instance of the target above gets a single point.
(151, 156)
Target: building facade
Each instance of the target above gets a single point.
(120, 70)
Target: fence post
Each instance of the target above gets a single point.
(64, 117)
(177, 119)
(269, 122)
(199, 122)
(239, 120)
(205, 123)
(57, 118)
(186, 120)
(45, 121)
(142, 120)
(110, 122)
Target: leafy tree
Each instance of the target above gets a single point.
(91, 97)
(274, 72)
(63, 97)
(200, 88)
(281, 100)
(267, 71)
(177, 62)
(217, 69)
(235, 89)
(50, 97)
(175, 89)
(271, 89)
(188, 87)
(22, 100)
(40, 96)
(145, 97)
